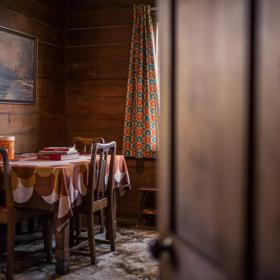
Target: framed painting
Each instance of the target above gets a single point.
(18, 67)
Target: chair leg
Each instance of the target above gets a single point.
(111, 229)
(18, 228)
(77, 225)
(91, 237)
(10, 248)
(102, 223)
(31, 225)
(47, 239)
(72, 228)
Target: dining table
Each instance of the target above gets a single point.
(59, 187)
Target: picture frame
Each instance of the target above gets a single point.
(18, 67)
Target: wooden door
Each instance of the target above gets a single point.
(268, 148)
(204, 138)
(220, 133)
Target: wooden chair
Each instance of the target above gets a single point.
(100, 196)
(10, 215)
(84, 145)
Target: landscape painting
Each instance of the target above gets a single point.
(18, 66)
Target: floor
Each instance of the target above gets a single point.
(131, 260)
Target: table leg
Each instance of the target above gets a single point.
(62, 252)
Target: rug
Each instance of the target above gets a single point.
(131, 260)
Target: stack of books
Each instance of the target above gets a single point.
(58, 153)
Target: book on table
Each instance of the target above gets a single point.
(58, 153)
(58, 150)
(58, 156)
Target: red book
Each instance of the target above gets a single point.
(49, 152)
(58, 156)
(65, 149)
(58, 150)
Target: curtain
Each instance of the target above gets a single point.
(142, 101)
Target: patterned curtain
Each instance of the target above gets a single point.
(142, 101)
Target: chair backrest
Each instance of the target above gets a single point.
(101, 172)
(5, 179)
(84, 145)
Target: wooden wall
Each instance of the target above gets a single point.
(42, 123)
(98, 48)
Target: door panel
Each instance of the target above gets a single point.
(219, 166)
(268, 194)
(193, 266)
(210, 140)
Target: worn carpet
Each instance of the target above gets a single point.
(131, 260)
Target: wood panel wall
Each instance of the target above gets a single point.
(98, 48)
(42, 123)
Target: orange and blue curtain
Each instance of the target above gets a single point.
(142, 101)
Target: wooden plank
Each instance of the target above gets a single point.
(50, 51)
(141, 163)
(50, 69)
(18, 22)
(96, 105)
(141, 177)
(55, 138)
(100, 36)
(55, 121)
(26, 143)
(105, 4)
(101, 17)
(108, 88)
(52, 104)
(53, 3)
(90, 70)
(36, 10)
(108, 54)
(14, 123)
(48, 88)
(98, 117)
(27, 123)
(4, 121)
(90, 121)
(18, 108)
